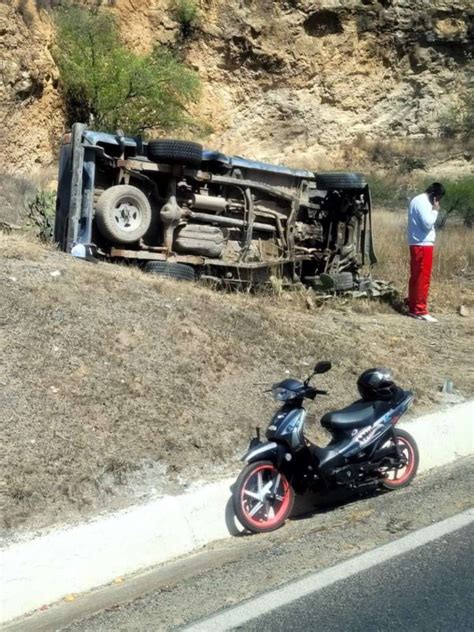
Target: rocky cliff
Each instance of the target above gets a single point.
(31, 118)
(284, 80)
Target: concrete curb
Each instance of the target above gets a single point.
(75, 559)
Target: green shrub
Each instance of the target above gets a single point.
(394, 192)
(459, 199)
(186, 13)
(41, 212)
(391, 191)
(105, 84)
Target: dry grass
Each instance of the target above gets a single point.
(17, 245)
(452, 280)
(115, 382)
(405, 155)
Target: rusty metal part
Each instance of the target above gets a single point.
(250, 223)
(144, 246)
(277, 217)
(170, 214)
(227, 221)
(257, 186)
(144, 165)
(208, 202)
(290, 227)
(194, 259)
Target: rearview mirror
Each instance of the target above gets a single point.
(322, 367)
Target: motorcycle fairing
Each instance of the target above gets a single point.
(287, 424)
(269, 450)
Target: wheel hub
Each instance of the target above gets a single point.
(127, 216)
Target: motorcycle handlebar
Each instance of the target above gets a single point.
(318, 392)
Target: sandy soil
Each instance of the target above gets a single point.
(115, 385)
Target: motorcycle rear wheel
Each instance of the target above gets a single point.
(262, 497)
(394, 478)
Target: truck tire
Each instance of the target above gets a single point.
(179, 271)
(175, 152)
(340, 180)
(123, 214)
(344, 281)
(341, 282)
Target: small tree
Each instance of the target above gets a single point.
(186, 13)
(105, 83)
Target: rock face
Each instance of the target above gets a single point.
(298, 78)
(30, 107)
(284, 80)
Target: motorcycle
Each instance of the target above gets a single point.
(366, 449)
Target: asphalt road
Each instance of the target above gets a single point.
(428, 589)
(237, 570)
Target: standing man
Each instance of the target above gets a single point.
(422, 215)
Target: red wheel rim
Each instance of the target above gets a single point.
(400, 475)
(265, 496)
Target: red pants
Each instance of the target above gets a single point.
(421, 263)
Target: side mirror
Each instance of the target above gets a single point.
(322, 367)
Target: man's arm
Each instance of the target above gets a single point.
(427, 213)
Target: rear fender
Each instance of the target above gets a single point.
(268, 450)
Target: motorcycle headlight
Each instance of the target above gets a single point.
(282, 394)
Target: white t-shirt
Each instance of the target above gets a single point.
(421, 220)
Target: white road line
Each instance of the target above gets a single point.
(233, 617)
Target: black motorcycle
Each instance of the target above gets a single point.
(365, 450)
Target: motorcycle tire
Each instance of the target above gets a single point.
(262, 497)
(402, 476)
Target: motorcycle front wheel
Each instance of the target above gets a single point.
(262, 497)
(396, 477)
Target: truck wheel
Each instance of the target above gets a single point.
(123, 214)
(344, 281)
(341, 281)
(179, 271)
(174, 152)
(340, 180)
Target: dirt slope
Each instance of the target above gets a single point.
(115, 384)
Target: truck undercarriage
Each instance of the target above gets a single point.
(185, 212)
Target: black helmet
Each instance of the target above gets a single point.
(376, 384)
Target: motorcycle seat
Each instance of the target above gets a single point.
(357, 415)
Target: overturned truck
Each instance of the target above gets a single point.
(189, 213)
